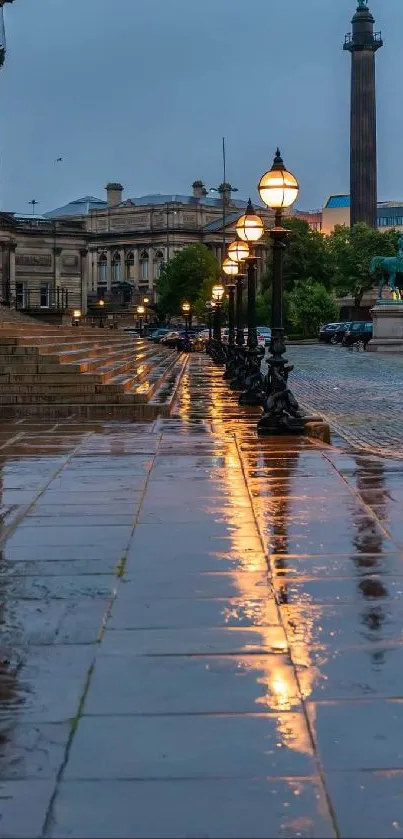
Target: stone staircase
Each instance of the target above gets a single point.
(89, 373)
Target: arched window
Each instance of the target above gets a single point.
(116, 268)
(130, 266)
(102, 269)
(144, 261)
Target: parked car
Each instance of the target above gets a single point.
(158, 334)
(359, 330)
(340, 332)
(327, 331)
(266, 332)
(170, 338)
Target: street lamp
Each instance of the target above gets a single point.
(278, 189)
(76, 316)
(238, 252)
(217, 298)
(186, 311)
(146, 301)
(101, 304)
(140, 315)
(210, 306)
(250, 229)
(231, 269)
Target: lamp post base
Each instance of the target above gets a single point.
(254, 390)
(282, 413)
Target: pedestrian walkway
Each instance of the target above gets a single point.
(201, 630)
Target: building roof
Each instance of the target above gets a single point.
(336, 201)
(79, 207)
(83, 206)
(386, 208)
(217, 223)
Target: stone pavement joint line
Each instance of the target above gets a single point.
(201, 630)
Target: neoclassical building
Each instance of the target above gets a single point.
(112, 249)
(130, 240)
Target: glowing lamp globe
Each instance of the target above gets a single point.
(140, 310)
(238, 251)
(250, 227)
(186, 308)
(230, 268)
(218, 293)
(278, 188)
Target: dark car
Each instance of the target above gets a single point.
(157, 334)
(339, 333)
(359, 330)
(328, 330)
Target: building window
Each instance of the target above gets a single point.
(103, 269)
(130, 267)
(144, 266)
(20, 295)
(116, 268)
(44, 296)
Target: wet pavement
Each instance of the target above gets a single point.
(200, 631)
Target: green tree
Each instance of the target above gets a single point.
(184, 276)
(309, 305)
(350, 252)
(306, 255)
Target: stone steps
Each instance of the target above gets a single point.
(58, 373)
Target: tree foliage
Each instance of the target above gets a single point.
(305, 256)
(184, 277)
(310, 304)
(350, 251)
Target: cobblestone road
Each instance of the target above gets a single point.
(361, 394)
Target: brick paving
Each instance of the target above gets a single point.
(361, 394)
(200, 631)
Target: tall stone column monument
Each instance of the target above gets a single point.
(3, 32)
(362, 43)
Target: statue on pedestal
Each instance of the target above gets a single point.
(388, 267)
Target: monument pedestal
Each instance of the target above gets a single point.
(387, 336)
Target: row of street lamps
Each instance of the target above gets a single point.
(278, 189)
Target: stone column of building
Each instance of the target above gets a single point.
(136, 268)
(363, 43)
(57, 252)
(109, 270)
(151, 271)
(84, 274)
(122, 264)
(12, 272)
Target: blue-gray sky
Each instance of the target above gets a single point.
(142, 91)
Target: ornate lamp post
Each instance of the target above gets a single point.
(217, 297)
(101, 304)
(231, 269)
(3, 33)
(140, 315)
(250, 230)
(278, 189)
(146, 301)
(210, 306)
(238, 252)
(186, 311)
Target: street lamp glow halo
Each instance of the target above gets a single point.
(230, 268)
(278, 188)
(140, 310)
(186, 307)
(218, 292)
(238, 251)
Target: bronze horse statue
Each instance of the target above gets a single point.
(389, 267)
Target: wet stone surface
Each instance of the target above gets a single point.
(201, 630)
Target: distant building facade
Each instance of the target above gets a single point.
(337, 211)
